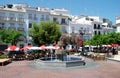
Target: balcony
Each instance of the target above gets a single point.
(64, 23)
(12, 28)
(3, 19)
(2, 27)
(35, 18)
(12, 19)
(20, 20)
(20, 29)
(42, 19)
(88, 33)
(97, 27)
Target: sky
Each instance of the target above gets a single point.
(104, 8)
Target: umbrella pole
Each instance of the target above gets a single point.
(51, 54)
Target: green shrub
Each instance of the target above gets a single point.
(3, 56)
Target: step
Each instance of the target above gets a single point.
(116, 56)
(118, 52)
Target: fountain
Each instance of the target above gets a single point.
(66, 62)
(61, 61)
(69, 63)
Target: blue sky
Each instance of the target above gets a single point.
(103, 8)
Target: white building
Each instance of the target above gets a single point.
(117, 24)
(21, 17)
(90, 26)
(107, 26)
(85, 25)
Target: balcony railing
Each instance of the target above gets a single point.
(35, 18)
(2, 27)
(42, 19)
(20, 29)
(98, 28)
(12, 19)
(20, 20)
(3, 19)
(12, 28)
(64, 23)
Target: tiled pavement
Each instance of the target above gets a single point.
(22, 69)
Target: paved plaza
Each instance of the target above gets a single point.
(23, 69)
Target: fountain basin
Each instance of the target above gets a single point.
(68, 62)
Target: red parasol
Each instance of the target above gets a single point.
(115, 45)
(56, 47)
(13, 48)
(27, 47)
(43, 47)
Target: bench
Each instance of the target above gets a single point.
(4, 61)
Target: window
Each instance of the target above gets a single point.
(42, 18)
(95, 26)
(63, 21)
(55, 20)
(99, 32)
(81, 32)
(2, 25)
(35, 17)
(103, 26)
(87, 18)
(12, 16)
(47, 17)
(12, 24)
(20, 16)
(87, 28)
(104, 20)
(91, 19)
(81, 28)
(95, 32)
(98, 26)
(2, 15)
(30, 25)
(29, 16)
(73, 29)
(64, 30)
(20, 25)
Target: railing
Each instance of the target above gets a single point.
(2, 27)
(42, 19)
(11, 19)
(63, 23)
(3, 19)
(35, 18)
(97, 27)
(20, 20)
(12, 28)
(20, 29)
